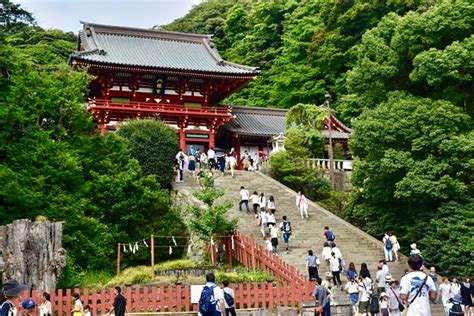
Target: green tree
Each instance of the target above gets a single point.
(212, 220)
(154, 144)
(415, 158)
(426, 53)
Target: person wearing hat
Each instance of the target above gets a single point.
(455, 306)
(12, 290)
(28, 306)
(393, 292)
(414, 250)
(384, 304)
(433, 275)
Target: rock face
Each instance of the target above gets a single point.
(32, 253)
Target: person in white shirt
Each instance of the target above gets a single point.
(45, 308)
(417, 289)
(271, 218)
(228, 292)
(352, 289)
(393, 292)
(256, 162)
(232, 164)
(336, 251)
(335, 269)
(211, 158)
(254, 201)
(274, 234)
(455, 288)
(218, 297)
(244, 199)
(414, 250)
(365, 289)
(326, 254)
(380, 279)
(443, 292)
(271, 204)
(262, 201)
(302, 204)
(263, 222)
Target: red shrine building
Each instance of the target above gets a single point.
(177, 78)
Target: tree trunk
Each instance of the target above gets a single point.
(32, 253)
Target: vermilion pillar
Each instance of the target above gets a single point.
(182, 139)
(211, 139)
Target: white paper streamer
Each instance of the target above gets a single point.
(174, 241)
(144, 242)
(130, 247)
(124, 249)
(171, 250)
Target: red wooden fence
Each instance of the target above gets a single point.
(252, 255)
(291, 287)
(175, 298)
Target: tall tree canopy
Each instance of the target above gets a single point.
(53, 164)
(416, 166)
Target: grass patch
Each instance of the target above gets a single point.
(93, 279)
(242, 276)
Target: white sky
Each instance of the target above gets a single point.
(66, 14)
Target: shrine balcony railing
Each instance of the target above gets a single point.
(323, 164)
(157, 108)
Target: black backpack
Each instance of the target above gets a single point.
(286, 227)
(456, 310)
(228, 299)
(374, 304)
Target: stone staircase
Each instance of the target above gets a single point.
(356, 245)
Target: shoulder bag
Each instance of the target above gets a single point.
(405, 312)
(401, 307)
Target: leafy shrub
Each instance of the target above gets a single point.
(242, 276)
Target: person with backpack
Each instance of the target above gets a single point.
(388, 247)
(455, 307)
(229, 301)
(211, 301)
(417, 288)
(285, 227)
(329, 235)
(396, 246)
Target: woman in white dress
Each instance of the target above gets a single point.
(443, 292)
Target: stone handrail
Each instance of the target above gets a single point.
(323, 164)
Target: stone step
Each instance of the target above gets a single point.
(355, 245)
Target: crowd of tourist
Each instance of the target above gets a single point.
(384, 295)
(378, 295)
(13, 291)
(214, 160)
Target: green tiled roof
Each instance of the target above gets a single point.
(125, 46)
